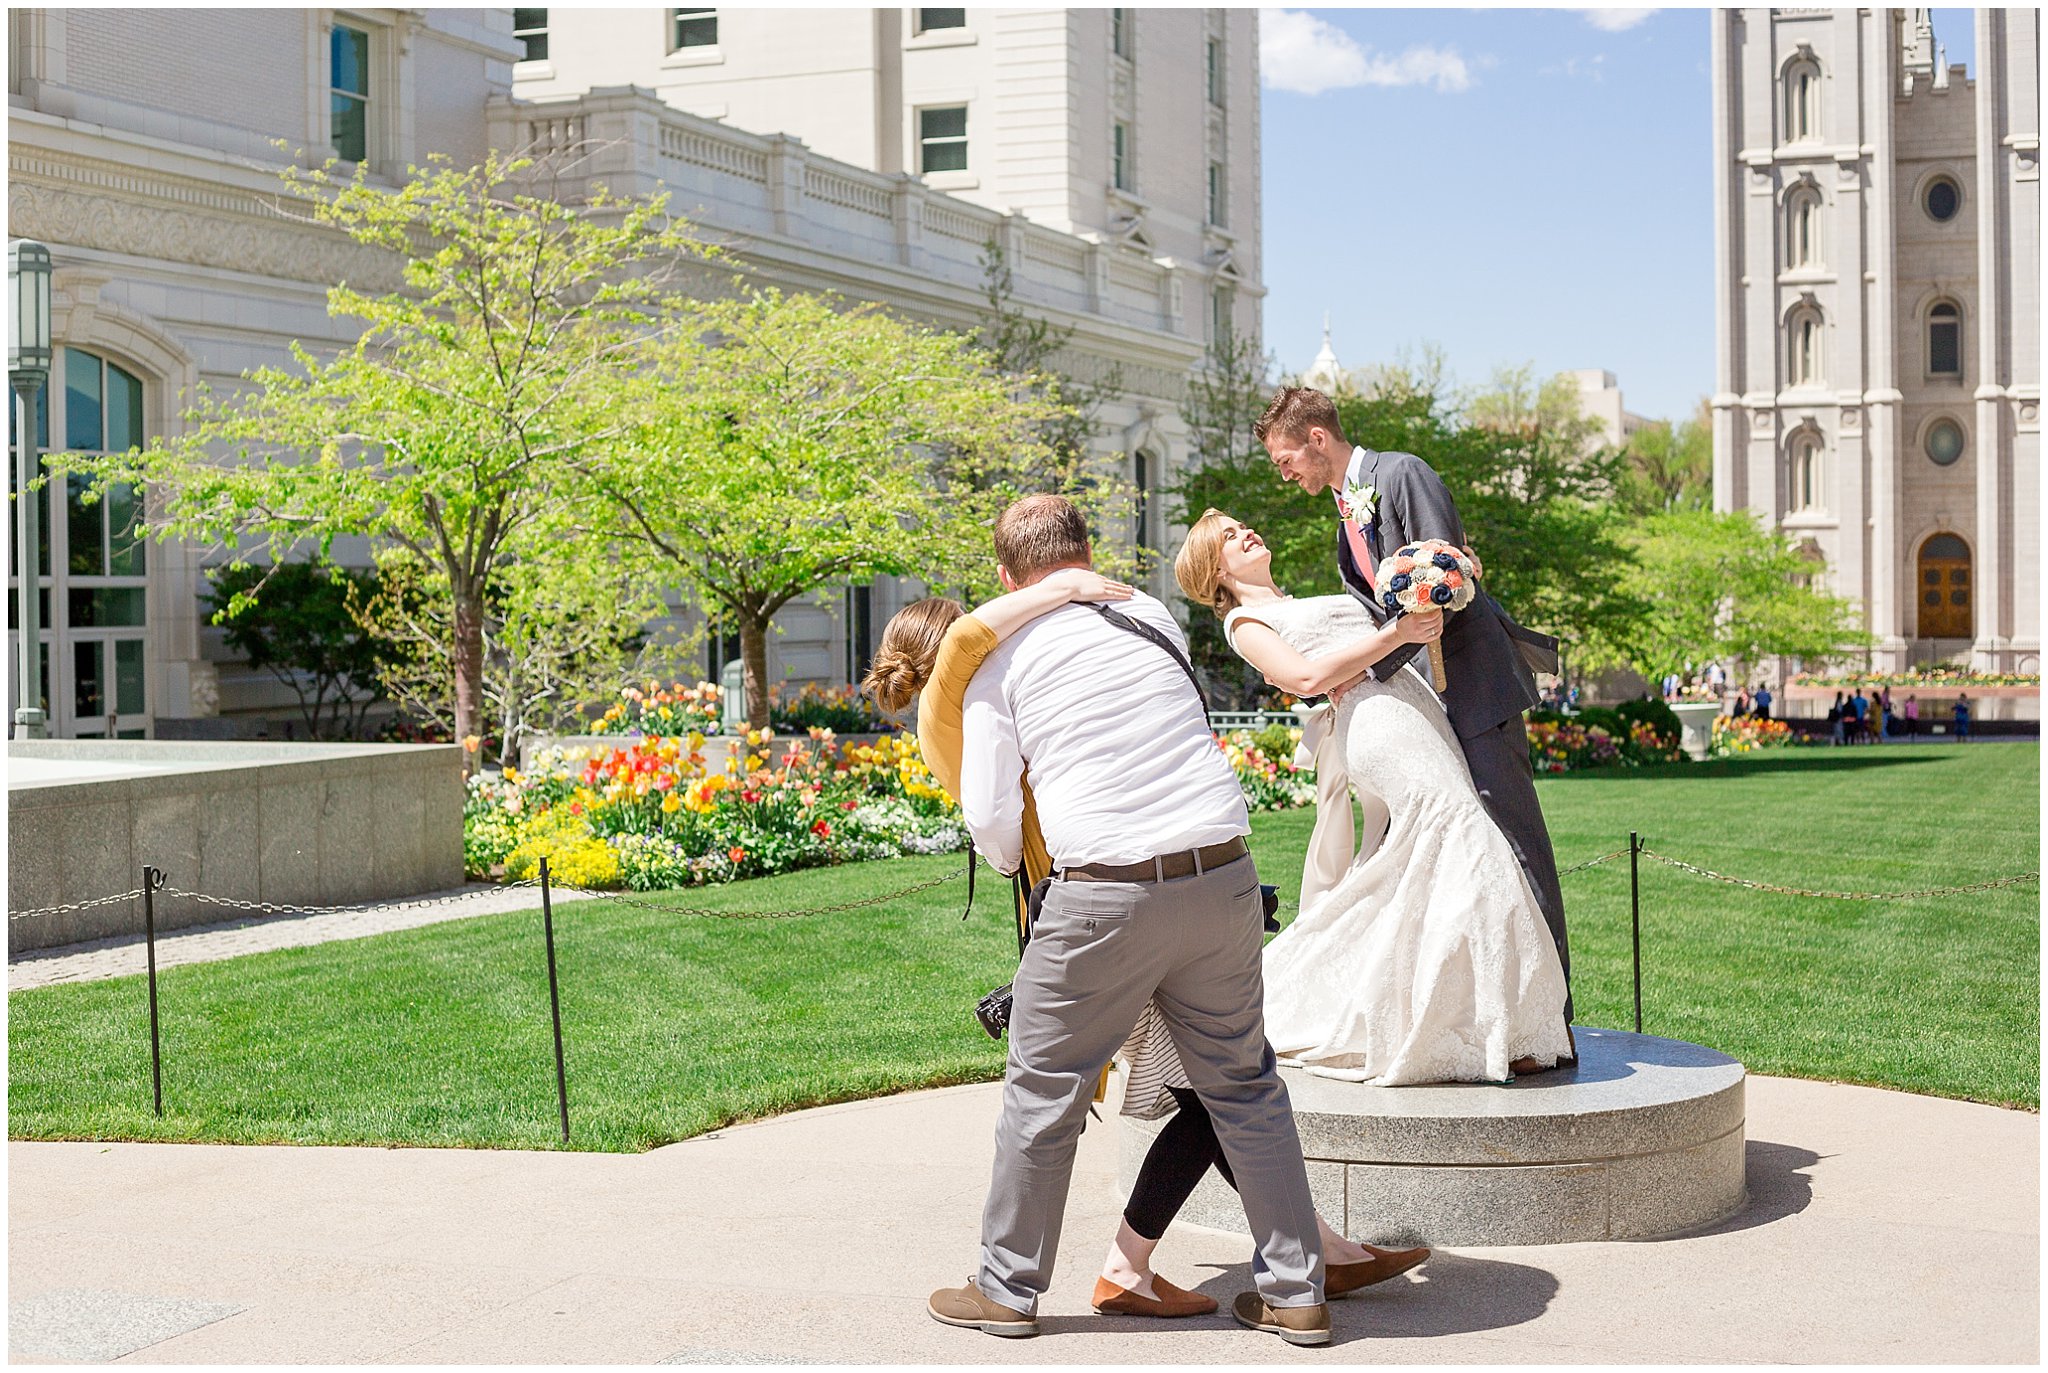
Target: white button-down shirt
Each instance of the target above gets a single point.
(1114, 738)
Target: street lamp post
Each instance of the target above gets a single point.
(28, 369)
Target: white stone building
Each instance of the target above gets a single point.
(1116, 166)
(1600, 401)
(1877, 302)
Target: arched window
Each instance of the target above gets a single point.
(1804, 348)
(1945, 340)
(1802, 102)
(1945, 588)
(1803, 488)
(1803, 232)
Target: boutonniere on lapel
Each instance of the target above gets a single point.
(1358, 503)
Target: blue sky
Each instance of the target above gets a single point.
(1510, 185)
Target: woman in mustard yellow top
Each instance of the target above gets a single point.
(931, 650)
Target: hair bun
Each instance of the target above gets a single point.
(893, 679)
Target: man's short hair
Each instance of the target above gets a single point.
(1038, 533)
(1293, 411)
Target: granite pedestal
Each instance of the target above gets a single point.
(1643, 1138)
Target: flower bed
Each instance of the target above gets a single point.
(648, 814)
(1746, 734)
(1264, 763)
(1922, 679)
(1635, 733)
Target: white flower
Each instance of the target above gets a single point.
(1359, 502)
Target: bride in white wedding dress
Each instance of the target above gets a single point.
(1428, 959)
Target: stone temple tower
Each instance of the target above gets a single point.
(1877, 312)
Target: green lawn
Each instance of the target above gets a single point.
(676, 1025)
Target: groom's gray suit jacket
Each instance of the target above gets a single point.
(1487, 663)
(1487, 656)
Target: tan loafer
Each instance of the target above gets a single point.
(970, 1307)
(1172, 1302)
(1342, 1279)
(1294, 1324)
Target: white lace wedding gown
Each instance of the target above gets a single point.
(1429, 960)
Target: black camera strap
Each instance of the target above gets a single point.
(1145, 631)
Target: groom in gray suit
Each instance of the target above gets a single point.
(1387, 501)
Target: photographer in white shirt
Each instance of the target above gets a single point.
(1154, 898)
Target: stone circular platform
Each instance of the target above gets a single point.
(1644, 1137)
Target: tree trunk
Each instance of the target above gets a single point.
(469, 673)
(754, 658)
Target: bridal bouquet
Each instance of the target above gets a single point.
(1426, 576)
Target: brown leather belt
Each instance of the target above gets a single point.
(1163, 868)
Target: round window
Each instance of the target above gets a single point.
(1945, 442)
(1943, 200)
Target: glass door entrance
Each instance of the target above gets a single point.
(94, 589)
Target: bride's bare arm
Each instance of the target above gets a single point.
(1265, 650)
(1010, 612)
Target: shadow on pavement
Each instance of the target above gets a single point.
(1450, 1295)
(1778, 1183)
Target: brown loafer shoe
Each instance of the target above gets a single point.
(1342, 1279)
(1294, 1324)
(970, 1307)
(1171, 1303)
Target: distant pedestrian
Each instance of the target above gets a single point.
(1835, 712)
(1912, 717)
(1763, 702)
(1962, 717)
(1742, 705)
(1859, 711)
(1884, 713)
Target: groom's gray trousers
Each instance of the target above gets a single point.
(1098, 952)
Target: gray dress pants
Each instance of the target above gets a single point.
(1098, 952)
(1499, 760)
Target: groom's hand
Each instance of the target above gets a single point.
(1478, 572)
(1338, 693)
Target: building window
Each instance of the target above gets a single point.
(1222, 309)
(692, 29)
(1120, 156)
(1142, 478)
(94, 587)
(348, 80)
(942, 139)
(860, 631)
(1215, 72)
(1805, 348)
(1944, 442)
(1942, 199)
(531, 28)
(1805, 235)
(1120, 32)
(1219, 196)
(928, 20)
(1805, 475)
(1945, 340)
(1802, 103)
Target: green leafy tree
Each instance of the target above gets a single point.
(1669, 466)
(786, 443)
(300, 630)
(1033, 353)
(454, 428)
(1720, 586)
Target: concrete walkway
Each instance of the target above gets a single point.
(1881, 1227)
(125, 955)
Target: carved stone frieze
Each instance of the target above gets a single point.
(205, 236)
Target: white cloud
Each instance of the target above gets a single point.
(1615, 20)
(1306, 55)
(1579, 68)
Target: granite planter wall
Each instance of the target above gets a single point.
(295, 824)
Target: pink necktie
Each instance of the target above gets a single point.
(1359, 553)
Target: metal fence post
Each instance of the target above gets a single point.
(1635, 921)
(152, 880)
(547, 915)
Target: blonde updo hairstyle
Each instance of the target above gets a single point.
(1199, 566)
(910, 646)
